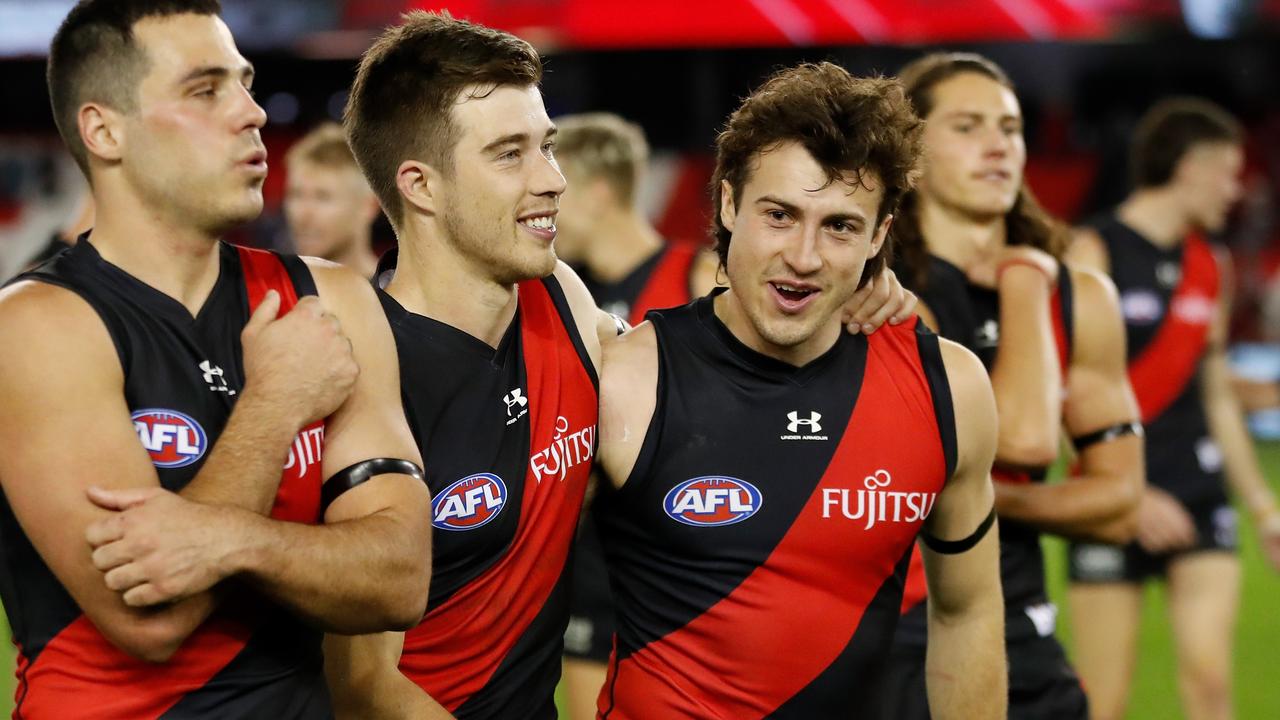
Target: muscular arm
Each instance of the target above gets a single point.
(368, 567)
(1226, 424)
(365, 570)
(65, 427)
(1100, 501)
(965, 669)
(1026, 375)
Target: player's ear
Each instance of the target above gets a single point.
(419, 185)
(101, 130)
(728, 212)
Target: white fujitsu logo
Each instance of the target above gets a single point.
(810, 423)
(877, 503)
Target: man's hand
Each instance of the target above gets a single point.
(302, 361)
(1016, 259)
(882, 298)
(157, 547)
(1164, 524)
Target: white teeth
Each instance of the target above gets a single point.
(542, 222)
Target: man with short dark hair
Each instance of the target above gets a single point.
(769, 473)
(1187, 155)
(327, 203)
(164, 431)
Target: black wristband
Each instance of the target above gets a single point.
(345, 479)
(955, 547)
(1107, 434)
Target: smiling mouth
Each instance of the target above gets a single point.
(544, 223)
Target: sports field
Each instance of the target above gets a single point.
(1155, 692)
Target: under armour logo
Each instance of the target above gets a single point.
(214, 376)
(1168, 274)
(810, 422)
(515, 399)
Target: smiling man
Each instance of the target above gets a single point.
(772, 473)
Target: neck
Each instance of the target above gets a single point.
(961, 239)
(359, 257)
(434, 280)
(621, 243)
(1157, 215)
(728, 307)
(174, 257)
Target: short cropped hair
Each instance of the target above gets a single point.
(605, 146)
(1172, 127)
(849, 125)
(325, 146)
(401, 104)
(93, 58)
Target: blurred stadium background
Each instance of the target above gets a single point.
(1085, 69)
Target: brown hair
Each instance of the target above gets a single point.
(1026, 223)
(93, 58)
(326, 146)
(604, 146)
(401, 104)
(849, 125)
(1169, 129)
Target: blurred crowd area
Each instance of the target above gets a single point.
(1084, 69)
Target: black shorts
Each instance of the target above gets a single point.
(1099, 563)
(589, 635)
(1042, 684)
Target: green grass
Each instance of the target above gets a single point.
(1155, 693)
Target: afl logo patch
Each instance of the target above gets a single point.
(469, 503)
(174, 439)
(712, 500)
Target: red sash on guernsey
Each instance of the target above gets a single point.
(1160, 373)
(668, 286)
(917, 589)
(458, 646)
(81, 674)
(725, 661)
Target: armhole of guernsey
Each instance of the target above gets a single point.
(940, 389)
(653, 432)
(561, 303)
(303, 283)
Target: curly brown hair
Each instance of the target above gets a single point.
(1026, 223)
(401, 103)
(849, 125)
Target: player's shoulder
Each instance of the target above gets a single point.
(581, 304)
(1088, 249)
(44, 325)
(30, 306)
(966, 375)
(340, 287)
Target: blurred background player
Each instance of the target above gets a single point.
(629, 269)
(751, 445)
(981, 253)
(1175, 291)
(603, 231)
(328, 205)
